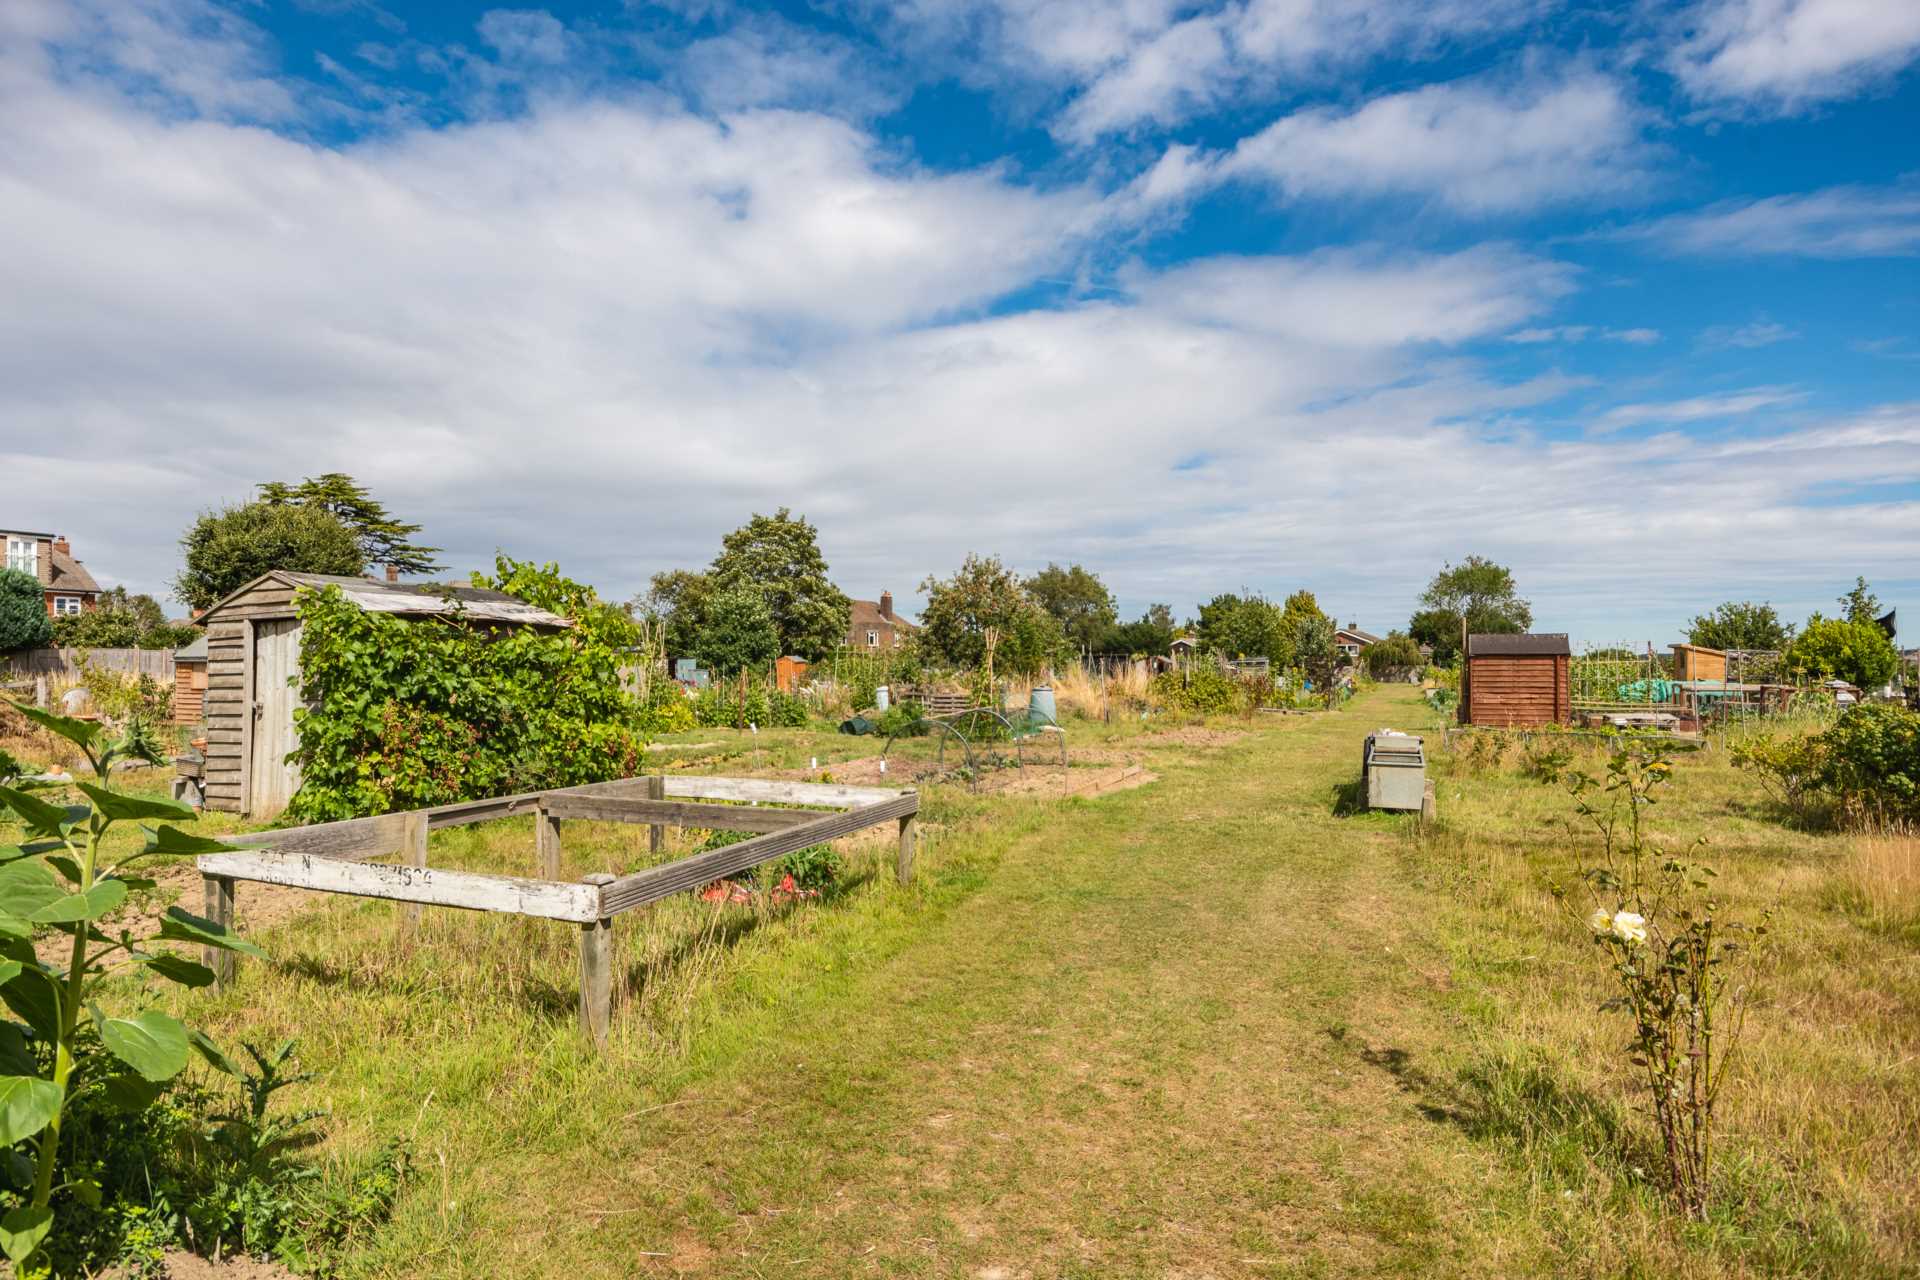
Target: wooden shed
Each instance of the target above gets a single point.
(190, 682)
(1516, 680)
(253, 668)
(1695, 662)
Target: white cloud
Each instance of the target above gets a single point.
(1780, 56)
(1473, 146)
(1696, 408)
(525, 35)
(1633, 337)
(1555, 333)
(1839, 222)
(764, 62)
(1757, 333)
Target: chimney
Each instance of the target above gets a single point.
(886, 604)
(61, 545)
(1353, 626)
(393, 573)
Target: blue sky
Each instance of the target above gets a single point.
(1266, 294)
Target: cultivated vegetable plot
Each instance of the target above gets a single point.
(338, 857)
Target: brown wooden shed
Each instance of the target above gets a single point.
(1516, 680)
(1696, 662)
(253, 668)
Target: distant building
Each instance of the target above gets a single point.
(874, 626)
(48, 558)
(1351, 640)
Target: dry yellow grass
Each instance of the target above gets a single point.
(1882, 874)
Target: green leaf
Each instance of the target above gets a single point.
(16, 1056)
(131, 1093)
(26, 887)
(153, 1043)
(86, 1191)
(14, 852)
(41, 818)
(32, 995)
(183, 926)
(188, 973)
(204, 1046)
(83, 732)
(22, 1230)
(172, 840)
(118, 806)
(65, 866)
(27, 1105)
(75, 907)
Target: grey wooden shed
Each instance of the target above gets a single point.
(253, 669)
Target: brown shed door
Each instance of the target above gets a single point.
(276, 662)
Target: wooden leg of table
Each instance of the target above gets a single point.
(219, 909)
(909, 832)
(596, 973)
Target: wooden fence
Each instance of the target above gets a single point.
(64, 664)
(337, 857)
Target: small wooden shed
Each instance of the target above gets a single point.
(1695, 662)
(253, 668)
(789, 673)
(1516, 680)
(190, 682)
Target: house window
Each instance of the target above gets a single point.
(63, 605)
(873, 639)
(23, 554)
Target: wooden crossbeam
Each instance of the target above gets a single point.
(547, 899)
(673, 813)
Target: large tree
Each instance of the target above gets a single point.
(1741, 624)
(986, 595)
(229, 548)
(1151, 634)
(23, 612)
(1395, 654)
(1244, 626)
(677, 599)
(779, 557)
(1078, 601)
(1840, 648)
(384, 540)
(1476, 592)
(738, 634)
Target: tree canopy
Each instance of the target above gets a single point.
(23, 612)
(738, 634)
(1844, 649)
(1741, 624)
(1395, 653)
(985, 594)
(1477, 592)
(1860, 604)
(779, 556)
(1078, 601)
(1152, 633)
(383, 539)
(229, 548)
(1244, 626)
(677, 599)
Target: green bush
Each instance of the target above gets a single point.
(1864, 770)
(401, 715)
(1834, 648)
(1203, 689)
(23, 612)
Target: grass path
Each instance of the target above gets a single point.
(1156, 1041)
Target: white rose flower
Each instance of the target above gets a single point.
(1629, 927)
(1601, 921)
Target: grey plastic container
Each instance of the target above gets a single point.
(1393, 768)
(1040, 704)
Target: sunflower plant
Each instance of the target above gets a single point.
(1675, 958)
(58, 881)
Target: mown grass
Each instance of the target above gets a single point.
(1218, 1026)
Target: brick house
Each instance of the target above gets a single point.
(48, 557)
(1352, 641)
(874, 626)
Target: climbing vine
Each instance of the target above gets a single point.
(402, 714)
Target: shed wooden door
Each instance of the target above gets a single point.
(276, 662)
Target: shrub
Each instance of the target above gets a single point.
(1857, 652)
(23, 612)
(1203, 689)
(1672, 956)
(1864, 769)
(400, 715)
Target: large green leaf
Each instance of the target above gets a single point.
(16, 1055)
(15, 852)
(118, 806)
(75, 907)
(27, 1105)
(172, 840)
(26, 887)
(204, 1046)
(41, 818)
(188, 973)
(183, 926)
(36, 999)
(84, 732)
(152, 1043)
(22, 1230)
(129, 1092)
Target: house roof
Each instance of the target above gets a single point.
(866, 613)
(1536, 645)
(64, 573)
(412, 599)
(1364, 637)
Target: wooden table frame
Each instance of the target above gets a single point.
(338, 857)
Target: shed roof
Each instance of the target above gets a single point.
(1534, 645)
(195, 652)
(411, 599)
